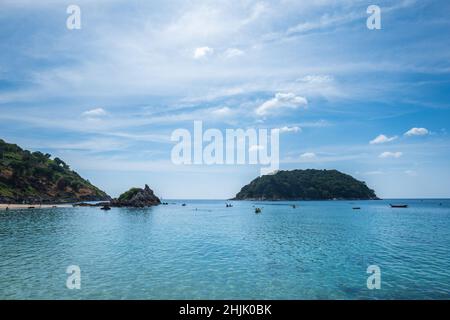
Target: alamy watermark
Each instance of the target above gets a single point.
(74, 19)
(239, 147)
(374, 20)
(374, 280)
(74, 279)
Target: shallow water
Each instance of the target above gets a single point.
(319, 250)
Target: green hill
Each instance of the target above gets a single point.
(34, 177)
(306, 185)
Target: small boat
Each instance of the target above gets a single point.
(399, 205)
(31, 207)
(356, 208)
(105, 208)
(293, 206)
(183, 205)
(257, 210)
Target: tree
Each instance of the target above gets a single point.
(61, 163)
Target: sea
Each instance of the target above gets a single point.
(205, 250)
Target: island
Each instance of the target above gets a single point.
(307, 184)
(36, 178)
(137, 198)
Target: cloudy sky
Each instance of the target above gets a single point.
(106, 98)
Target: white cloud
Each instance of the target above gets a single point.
(308, 155)
(254, 148)
(316, 79)
(290, 129)
(97, 112)
(281, 100)
(258, 9)
(203, 52)
(96, 144)
(325, 21)
(382, 139)
(389, 154)
(417, 132)
(222, 112)
(316, 124)
(232, 52)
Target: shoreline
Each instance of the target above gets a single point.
(7, 206)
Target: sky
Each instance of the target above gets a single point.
(107, 97)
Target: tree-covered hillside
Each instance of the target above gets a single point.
(34, 177)
(306, 185)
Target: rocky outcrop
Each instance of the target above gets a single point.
(137, 198)
(133, 198)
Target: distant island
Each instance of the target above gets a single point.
(33, 177)
(307, 184)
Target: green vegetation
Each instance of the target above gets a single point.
(137, 197)
(34, 177)
(128, 195)
(306, 185)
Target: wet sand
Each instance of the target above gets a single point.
(4, 206)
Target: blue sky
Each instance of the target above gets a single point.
(107, 97)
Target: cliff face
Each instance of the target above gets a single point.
(34, 177)
(306, 185)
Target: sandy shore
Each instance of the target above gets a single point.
(35, 206)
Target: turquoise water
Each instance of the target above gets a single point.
(319, 250)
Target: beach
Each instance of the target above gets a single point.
(5, 206)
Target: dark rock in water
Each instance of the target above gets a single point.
(399, 205)
(136, 197)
